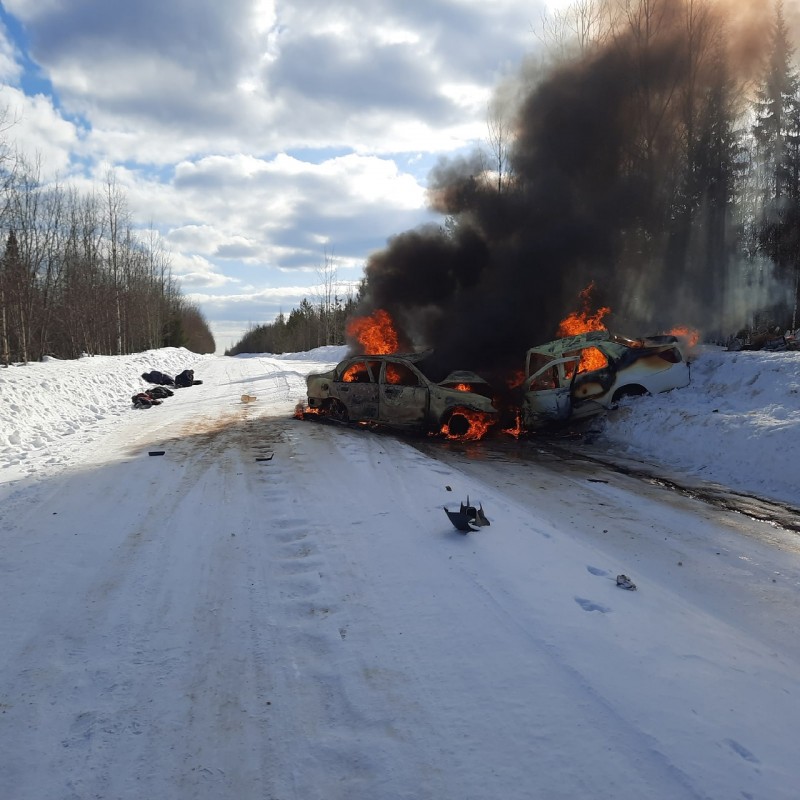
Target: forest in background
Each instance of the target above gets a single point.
(314, 323)
(77, 278)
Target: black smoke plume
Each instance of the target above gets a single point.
(595, 193)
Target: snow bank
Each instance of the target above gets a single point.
(42, 402)
(737, 423)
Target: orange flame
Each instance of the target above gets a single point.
(591, 358)
(393, 375)
(584, 320)
(353, 373)
(479, 425)
(689, 335)
(517, 430)
(462, 387)
(516, 379)
(303, 412)
(375, 333)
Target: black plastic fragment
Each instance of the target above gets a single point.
(468, 517)
(156, 452)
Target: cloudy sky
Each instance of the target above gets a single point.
(259, 137)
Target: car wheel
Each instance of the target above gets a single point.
(338, 410)
(634, 390)
(458, 424)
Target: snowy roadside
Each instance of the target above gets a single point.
(41, 402)
(737, 423)
(47, 409)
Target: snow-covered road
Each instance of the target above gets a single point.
(205, 624)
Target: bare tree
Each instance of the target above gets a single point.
(576, 30)
(116, 210)
(325, 296)
(499, 139)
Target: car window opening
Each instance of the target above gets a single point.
(400, 375)
(592, 358)
(356, 373)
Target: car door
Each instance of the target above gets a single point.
(547, 393)
(356, 386)
(404, 395)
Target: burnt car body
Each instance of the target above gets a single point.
(580, 376)
(392, 390)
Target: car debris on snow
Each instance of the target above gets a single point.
(468, 517)
(624, 582)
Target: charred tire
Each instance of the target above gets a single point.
(338, 410)
(457, 424)
(634, 390)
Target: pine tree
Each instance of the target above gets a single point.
(776, 132)
(12, 277)
(773, 106)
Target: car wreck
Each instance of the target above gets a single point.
(393, 391)
(580, 376)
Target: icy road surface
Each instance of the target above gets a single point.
(208, 625)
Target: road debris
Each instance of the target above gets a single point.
(624, 582)
(467, 517)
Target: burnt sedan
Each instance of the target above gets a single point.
(393, 391)
(580, 376)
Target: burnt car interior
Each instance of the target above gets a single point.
(358, 372)
(400, 375)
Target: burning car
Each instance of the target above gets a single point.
(392, 390)
(583, 375)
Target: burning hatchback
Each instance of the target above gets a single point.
(392, 390)
(583, 375)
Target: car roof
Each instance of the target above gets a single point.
(414, 357)
(571, 342)
(464, 376)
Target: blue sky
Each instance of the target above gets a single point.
(258, 137)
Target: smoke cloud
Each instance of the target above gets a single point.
(592, 192)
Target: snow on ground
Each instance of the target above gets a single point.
(280, 609)
(738, 423)
(41, 403)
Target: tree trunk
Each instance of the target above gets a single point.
(5, 354)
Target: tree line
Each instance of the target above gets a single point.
(312, 324)
(77, 278)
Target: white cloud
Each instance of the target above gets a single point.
(37, 131)
(382, 78)
(194, 271)
(241, 201)
(257, 136)
(10, 69)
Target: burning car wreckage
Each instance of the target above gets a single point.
(569, 379)
(394, 391)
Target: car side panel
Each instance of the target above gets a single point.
(544, 406)
(360, 399)
(403, 406)
(650, 373)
